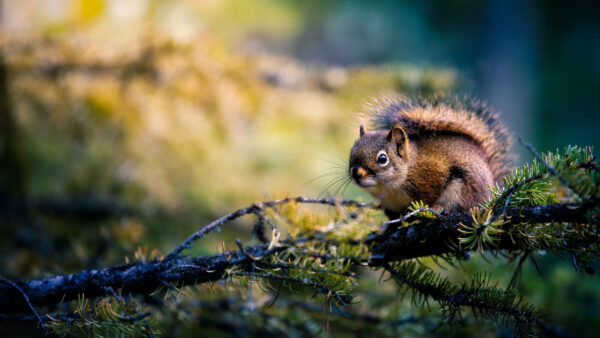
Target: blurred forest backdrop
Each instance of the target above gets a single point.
(127, 124)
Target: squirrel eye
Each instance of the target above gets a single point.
(382, 159)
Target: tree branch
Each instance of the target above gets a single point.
(145, 278)
(419, 241)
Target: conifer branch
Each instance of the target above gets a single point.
(145, 278)
(420, 241)
(483, 299)
(550, 168)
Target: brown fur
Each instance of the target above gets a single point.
(443, 152)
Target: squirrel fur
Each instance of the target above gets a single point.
(443, 151)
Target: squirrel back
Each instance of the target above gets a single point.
(442, 150)
(447, 114)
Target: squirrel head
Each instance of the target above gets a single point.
(379, 159)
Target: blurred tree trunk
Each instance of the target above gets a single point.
(16, 228)
(12, 160)
(509, 83)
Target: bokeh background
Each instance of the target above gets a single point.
(127, 124)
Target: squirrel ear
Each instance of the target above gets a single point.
(362, 130)
(397, 135)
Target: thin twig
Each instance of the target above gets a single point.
(241, 247)
(276, 295)
(548, 166)
(26, 300)
(293, 266)
(250, 305)
(407, 216)
(259, 227)
(506, 204)
(518, 270)
(252, 209)
(112, 292)
(264, 219)
(506, 194)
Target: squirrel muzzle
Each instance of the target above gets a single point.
(362, 177)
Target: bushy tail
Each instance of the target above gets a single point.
(447, 114)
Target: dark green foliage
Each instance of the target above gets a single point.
(485, 299)
(110, 316)
(532, 183)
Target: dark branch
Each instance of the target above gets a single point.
(145, 278)
(68, 317)
(86, 208)
(137, 278)
(433, 239)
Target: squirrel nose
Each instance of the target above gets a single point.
(357, 172)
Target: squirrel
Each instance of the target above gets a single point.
(444, 151)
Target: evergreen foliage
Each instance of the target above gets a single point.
(106, 317)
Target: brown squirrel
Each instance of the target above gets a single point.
(443, 151)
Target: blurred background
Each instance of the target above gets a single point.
(127, 124)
